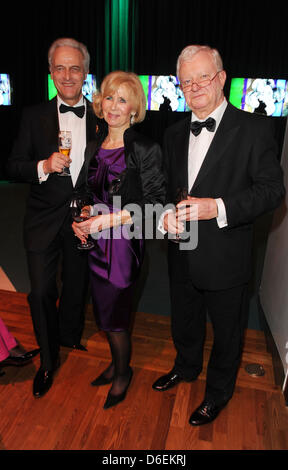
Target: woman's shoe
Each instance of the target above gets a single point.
(20, 360)
(101, 380)
(113, 400)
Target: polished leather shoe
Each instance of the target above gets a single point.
(78, 346)
(113, 400)
(43, 380)
(20, 360)
(167, 381)
(205, 413)
(101, 380)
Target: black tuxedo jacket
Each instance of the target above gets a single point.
(48, 203)
(241, 167)
(142, 182)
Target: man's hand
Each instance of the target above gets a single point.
(55, 163)
(195, 208)
(172, 224)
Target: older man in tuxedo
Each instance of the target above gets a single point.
(227, 159)
(48, 234)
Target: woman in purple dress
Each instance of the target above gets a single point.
(125, 169)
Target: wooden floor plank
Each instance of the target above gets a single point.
(71, 415)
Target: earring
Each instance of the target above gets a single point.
(132, 120)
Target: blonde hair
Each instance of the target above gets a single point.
(189, 51)
(110, 85)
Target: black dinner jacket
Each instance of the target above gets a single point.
(241, 167)
(142, 182)
(48, 203)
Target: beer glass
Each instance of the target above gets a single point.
(65, 145)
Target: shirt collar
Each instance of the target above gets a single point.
(80, 102)
(216, 114)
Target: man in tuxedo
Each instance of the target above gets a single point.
(48, 235)
(227, 159)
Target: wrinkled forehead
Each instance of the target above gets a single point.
(67, 54)
(201, 62)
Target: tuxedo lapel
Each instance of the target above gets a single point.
(90, 122)
(181, 146)
(50, 123)
(224, 136)
(90, 135)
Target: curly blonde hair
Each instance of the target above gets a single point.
(110, 85)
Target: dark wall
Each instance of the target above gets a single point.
(24, 52)
(251, 37)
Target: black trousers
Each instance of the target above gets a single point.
(58, 323)
(228, 312)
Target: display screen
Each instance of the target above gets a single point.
(5, 90)
(260, 95)
(163, 93)
(88, 89)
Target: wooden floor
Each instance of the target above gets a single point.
(71, 415)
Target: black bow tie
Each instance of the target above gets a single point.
(196, 126)
(78, 110)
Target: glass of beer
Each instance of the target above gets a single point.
(65, 145)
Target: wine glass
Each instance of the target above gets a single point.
(181, 195)
(65, 145)
(81, 212)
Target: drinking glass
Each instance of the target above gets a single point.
(181, 195)
(79, 214)
(65, 145)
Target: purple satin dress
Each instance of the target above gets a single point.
(115, 261)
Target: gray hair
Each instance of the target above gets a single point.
(69, 42)
(189, 51)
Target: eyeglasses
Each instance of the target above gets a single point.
(187, 84)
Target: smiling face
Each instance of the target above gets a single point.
(117, 108)
(67, 72)
(202, 101)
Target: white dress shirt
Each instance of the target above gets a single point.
(70, 122)
(198, 147)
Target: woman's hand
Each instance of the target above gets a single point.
(78, 232)
(92, 225)
(100, 222)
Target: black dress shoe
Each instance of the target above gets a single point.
(101, 380)
(167, 381)
(205, 413)
(42, 382)
(113, 400)
(74, 346)
(79, 346)
(20, 360)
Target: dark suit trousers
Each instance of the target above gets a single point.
(227, 310)
(54, 322)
